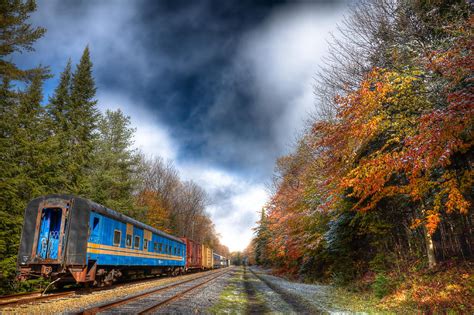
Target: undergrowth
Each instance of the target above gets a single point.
(447, 289)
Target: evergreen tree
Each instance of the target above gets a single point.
(15, 36)
(82, 117)
(261, 240)
(60, 101)
(58, 110)
(30, 142)
(113, 177)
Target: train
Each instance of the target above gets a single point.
(68, 239)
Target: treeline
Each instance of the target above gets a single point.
(65, 145)
(383, 176)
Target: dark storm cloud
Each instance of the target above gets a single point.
(183, 61)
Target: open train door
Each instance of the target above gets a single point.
(49, 233)
(51, 227)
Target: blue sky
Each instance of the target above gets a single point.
(220, 87)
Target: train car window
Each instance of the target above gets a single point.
(145, 244)
(136, 244)
(155, 246)
(129, 240)
(117, 237)
(161, 248)
(95, 224)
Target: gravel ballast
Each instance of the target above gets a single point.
(310, 298)
(199, 300)
(79, 302)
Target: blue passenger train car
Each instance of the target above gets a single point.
(72, 239)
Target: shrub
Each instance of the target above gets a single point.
(381, 286)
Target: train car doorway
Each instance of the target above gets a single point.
(49, 234)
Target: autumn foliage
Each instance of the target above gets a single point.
(385, 179)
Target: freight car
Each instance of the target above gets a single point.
(207, 258)
(71, 239)
(193, 255)
(220, 261)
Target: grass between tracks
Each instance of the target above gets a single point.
(233, 299)
(240, 296)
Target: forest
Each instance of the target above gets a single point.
(66, 145)
(377, 194)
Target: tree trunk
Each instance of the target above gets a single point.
(430, 250)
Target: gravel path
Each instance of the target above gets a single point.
(273, 301)
(305, 298)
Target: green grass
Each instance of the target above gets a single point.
(233, 299)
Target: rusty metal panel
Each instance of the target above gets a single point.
(36, 230)
(193, 254)
(130, 229)
(147, 234)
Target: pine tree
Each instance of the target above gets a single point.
(60, 101)
(261, 240)
(30, 141)
(58, 110)
(16, 35)
(82, 117)
(113, 178)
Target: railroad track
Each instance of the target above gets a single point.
(149, 301)
(24, 298)
(33, 297)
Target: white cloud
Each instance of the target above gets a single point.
(235, 202)
(107, 27)
(284, 54)
(151, 136)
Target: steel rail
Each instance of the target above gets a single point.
(29, 299)
(178, 295)
(109, 305)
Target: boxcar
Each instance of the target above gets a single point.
(193, 254)
(207, 258)
(71, 239)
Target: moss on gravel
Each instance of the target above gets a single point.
(233, 299)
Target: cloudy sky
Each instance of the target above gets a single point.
(220, 87)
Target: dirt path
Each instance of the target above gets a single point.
(256, 305)
(303, 298)
(255, 291)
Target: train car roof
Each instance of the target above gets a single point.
(119, 216)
